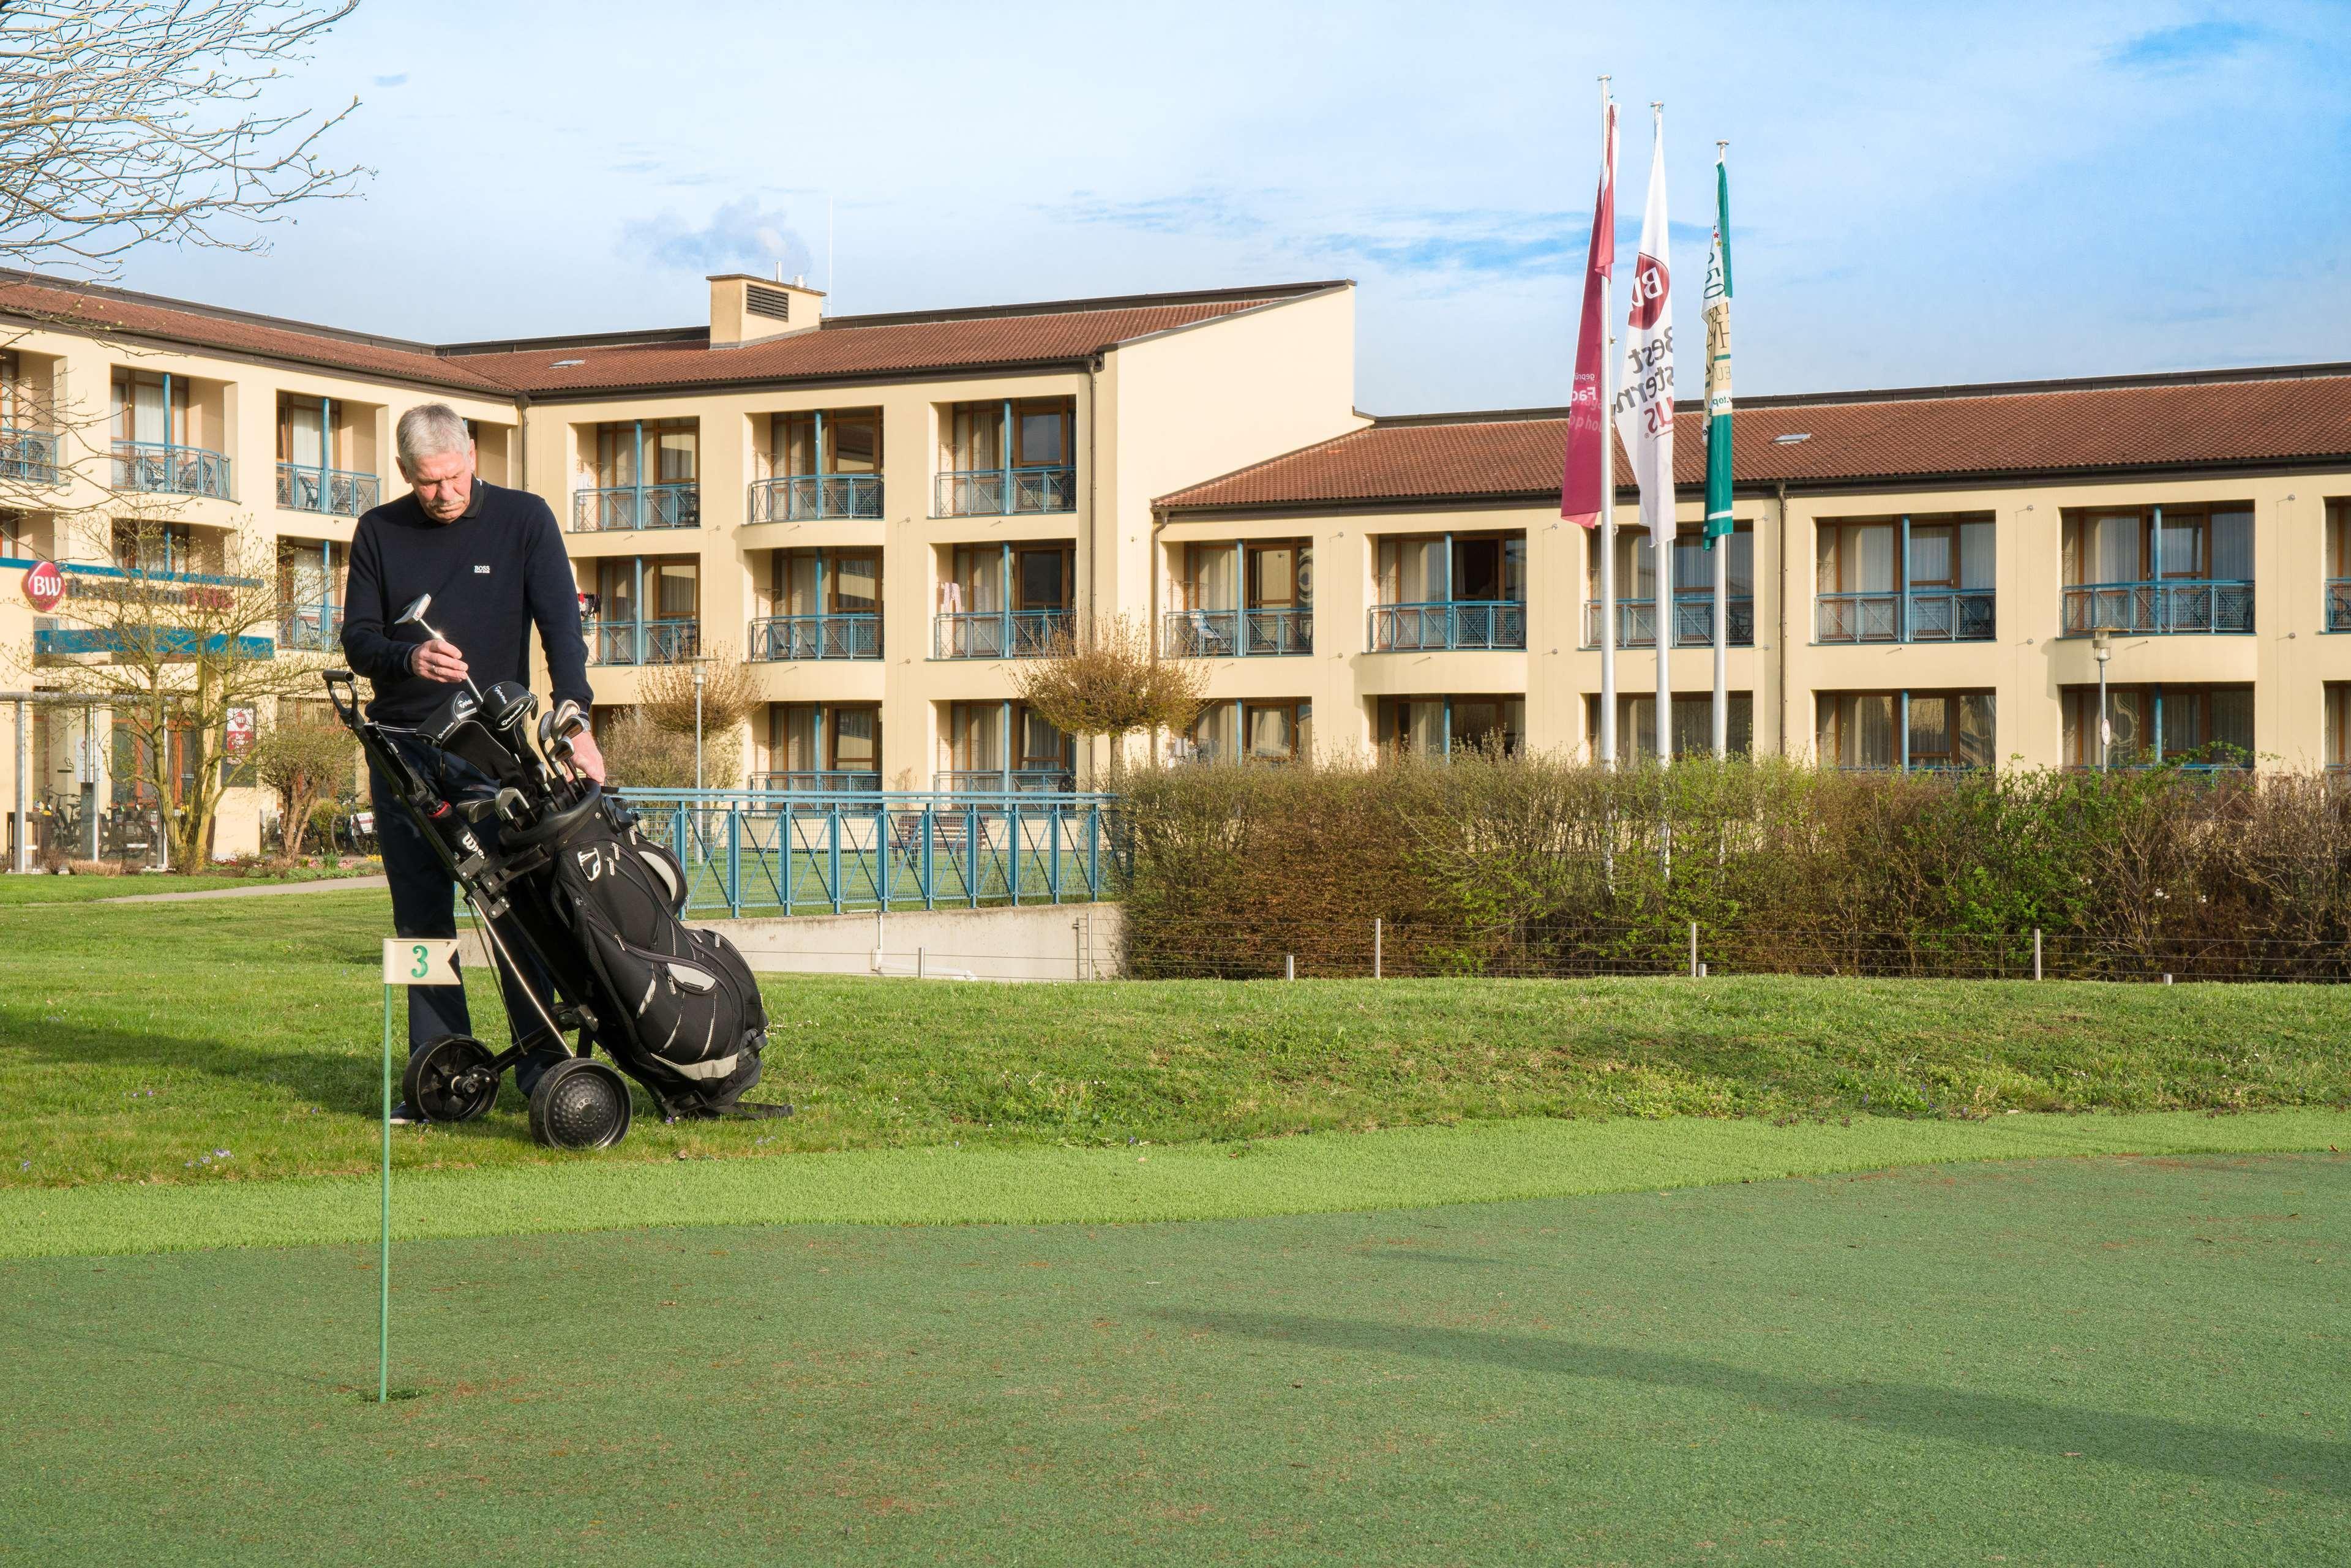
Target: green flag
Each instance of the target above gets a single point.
(1715, 305)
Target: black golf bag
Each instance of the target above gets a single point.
(567, 875)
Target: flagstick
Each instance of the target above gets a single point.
(1721, 596)
(1607, 490)
(1661, 540)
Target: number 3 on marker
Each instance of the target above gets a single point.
(423, 960)
(407, 961)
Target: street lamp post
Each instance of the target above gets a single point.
(2102, 645)
(697, 717)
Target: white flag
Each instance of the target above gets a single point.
(1645, 397)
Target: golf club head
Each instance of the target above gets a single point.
(508, 706)
(414, 613)
(569, 718)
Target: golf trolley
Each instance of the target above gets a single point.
(549, 863)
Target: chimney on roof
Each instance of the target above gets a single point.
(749, 309)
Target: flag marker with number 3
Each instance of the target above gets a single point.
(407, 961)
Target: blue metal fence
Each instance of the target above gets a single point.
(676, 506)
(1448, 624)
(28, 454)
(1637, 621)
(994, 492)
(642, 642)
(747, 852)
(310, 628)
(2175, 604)
(794, 637)
(163, 467)
(1962, 615)
(1234, 633)
(2338, 604)
(998, 633)
(336, 492)
(799, 497)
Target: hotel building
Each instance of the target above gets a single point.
(881, 514)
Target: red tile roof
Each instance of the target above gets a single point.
(2294, 414)
(1056, 332)
(140, 316)
(849, 345)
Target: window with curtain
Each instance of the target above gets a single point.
(978, 575)
(2197, 543)
(852, 443)
(2338, 725)
(1281, 576)
(974, 737)
(852, 582)
(1857, 558)
(2195, 723)
(673, 586)
(1207, 580)
(1636, 724)
(303, 436)
(1857, 730)
(669, 448)
(1276, 732)
(1043, 749)
(145, 410)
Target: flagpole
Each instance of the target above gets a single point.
(1721, 580)
(1607, 488)
(1661, 540)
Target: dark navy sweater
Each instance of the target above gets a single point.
(494, 572)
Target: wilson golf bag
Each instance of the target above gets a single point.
(567, 875)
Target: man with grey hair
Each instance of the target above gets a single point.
(493, 561)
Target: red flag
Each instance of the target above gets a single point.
(1586, 468)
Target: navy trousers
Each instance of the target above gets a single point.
(424, 904)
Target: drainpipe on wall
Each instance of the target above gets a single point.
(1093, 534)
(522, 447)
(1780, 645)
(1151, 625)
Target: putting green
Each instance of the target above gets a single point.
(1478, 1162)
(2057, 1362)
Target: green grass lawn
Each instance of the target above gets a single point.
(2070, 1362)
(34, 889)
(136, 1042)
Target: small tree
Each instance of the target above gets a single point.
(174, 654)
(665, 699)
(639, 754)
(308, 761)
(1104, 680)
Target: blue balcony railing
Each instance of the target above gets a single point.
(28, 454)
(1001, 492)
(2338, 604)
(2180, 604)
(755, 851)
(1459, 623)
(821, 782)
(622, 507)
(336, 492)
(310, 628)
(642, 641)
(794, 637)
(160, 467)
(1637, 621)
(998, 633)
(1008, 781)
(802, 497)
(1231, 634)
(1939, 615)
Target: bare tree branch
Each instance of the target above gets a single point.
(125, 121)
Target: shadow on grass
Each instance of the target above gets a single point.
(2149, 1442)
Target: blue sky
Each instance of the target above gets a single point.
(1921, 193)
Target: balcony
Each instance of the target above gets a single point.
(28, 454)
(821, 782)
(1009, 781)
(1936, 616)
(998, 635)
(624, 506)
(790, 637)
(162, 469)
(1637, 621)
(1459, 623)
(803, 497)
(1234, 633)
(2200, 604)
(2338, 604)
(336, 492)
(1005, 492)
(642, 641)
(310, 628)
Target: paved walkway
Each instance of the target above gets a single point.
(323, 884)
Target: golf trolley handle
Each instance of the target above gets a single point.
(342, 690)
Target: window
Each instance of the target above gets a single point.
(1453, 569)
(1439, 726)
(303, 574)
(2123, 545)
(2147, 725)
(1039, 577)
(305, 437)
(154, 549)
(664, 450)
(1636, 724)
(16, 410)
(1041, 433)
(1268, 731)
(2338, 725)
(975, 738)
(844, 441)
(850, 582)
(672, 588)
(150, 406)
(812, 738)
(1945, 729)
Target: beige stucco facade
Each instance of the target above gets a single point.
(1147, 416)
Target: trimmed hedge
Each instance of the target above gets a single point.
(1494, 865)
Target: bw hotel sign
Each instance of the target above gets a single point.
(43, 585)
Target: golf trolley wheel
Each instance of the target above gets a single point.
(581, 1104)
(450, 1080)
